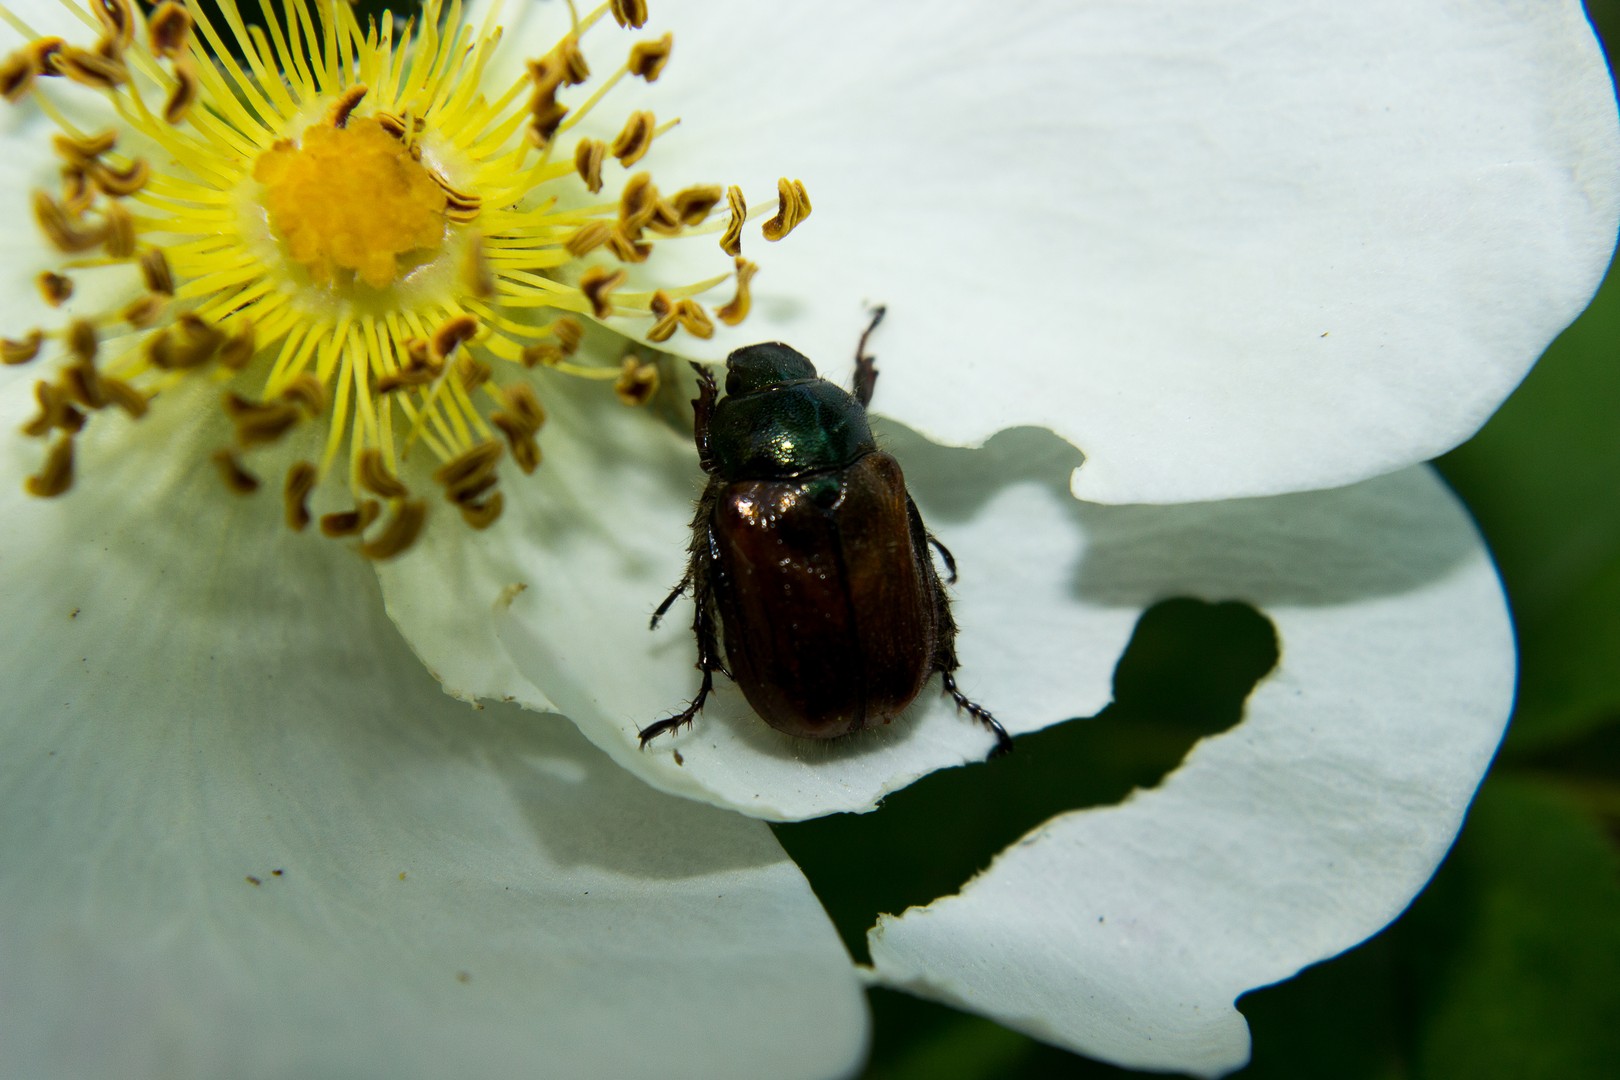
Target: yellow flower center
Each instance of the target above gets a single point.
(350, 198)
(372, 252)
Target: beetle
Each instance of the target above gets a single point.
(808, 556)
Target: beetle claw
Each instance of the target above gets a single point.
(685, 716)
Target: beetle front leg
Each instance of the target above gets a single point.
(702, 413)
(865, 364)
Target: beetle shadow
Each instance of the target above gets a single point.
(1381, 537)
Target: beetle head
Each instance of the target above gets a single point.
(761, 367)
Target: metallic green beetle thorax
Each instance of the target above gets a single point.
(788, 430)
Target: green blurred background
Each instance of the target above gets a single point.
(1508, 966)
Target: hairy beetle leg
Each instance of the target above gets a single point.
(945, 557)
(1004, 743)
(865, 365)
(685, 716)
(669, 601)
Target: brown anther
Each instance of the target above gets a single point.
(400, 532)
(190, 342)
(168, 29)
(155, 272)
(625, 247)
(54, 288)
(597, 284)
(412, 375)
(454, 332)
(240, 346)
(21, 350)
(118, 239)
(66, 232)
(143, 312)
(587, 238)
(126, 397)
(520, 416)
(471, 489)
(90, 68)
(57, 474)
(351, 522)
(394, 124)
(82, 384)
(693, 319)
(731, 241)
(475, 272)
(545, 117)
(635, 139)
(295, 495)
(120, 183)
(184, 94)
(81, 339)
(569, 333)
(637, 202)
(481, 515)
(736, 311)
(42, 53)
(665, 218)
(693, 204)
(82, 151)
(546, 74)
(525, 450)
(259, 422)
(118, 16)
(662, 307)
(574, 69)
(16, 77)
(459, 206)
(792, 207)
(307, 393)
(77, 191)
(541, 354)
(346, 104)
(376, 477)
(588, 157)
(469, 467)
(231, 470)
(632, 13)
(472, 372)
(55, 412)
(420, 368)
(647, 58)
(637, 381)
(519, 402)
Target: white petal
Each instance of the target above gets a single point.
(1127, 932)
(1224, 249)
(194, 697)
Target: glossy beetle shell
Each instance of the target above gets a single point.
(826, 598)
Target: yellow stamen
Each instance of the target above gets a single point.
(362, 241)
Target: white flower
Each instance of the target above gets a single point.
(1228, 253)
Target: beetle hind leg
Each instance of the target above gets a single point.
(1004, 743)
(708, 661)
(685, 716)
